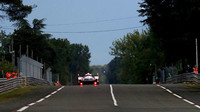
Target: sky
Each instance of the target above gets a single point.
(95, 23)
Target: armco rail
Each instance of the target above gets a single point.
(185, 77)
(11, 84)
(3, 79)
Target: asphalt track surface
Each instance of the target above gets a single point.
(129, 98)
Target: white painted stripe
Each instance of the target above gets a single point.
(31, 104)
(162, 87)
(113, 97)
(158, 85)
(59, 89)
(168, 91)
(47, 96)
(54, 92)
(197, 106)
(188, 101)
(22, 109)
(177, 95)
(40, 100)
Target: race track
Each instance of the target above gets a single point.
(129, 98)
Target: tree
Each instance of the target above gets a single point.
(70, 59)
(5, 43)
(102, 71)
(61, 58)
(80, 60)
(5, 66)
(114, 67)
(2, 37)
(58, 54)
(38, 25)
(33, 39)
(14, 9)
(174, 23)
(136, 52)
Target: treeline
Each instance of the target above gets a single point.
(102, 71)
(136, 57)
(168, 42)
(63, 57)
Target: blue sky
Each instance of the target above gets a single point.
(75, 16)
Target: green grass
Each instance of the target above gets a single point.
(193, 85)
(17, 93)
(196, 86)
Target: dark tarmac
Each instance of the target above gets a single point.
(130, 98)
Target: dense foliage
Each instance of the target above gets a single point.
(64, 58)
(79, 63)
(28, 39)
(136, 54)
(113, 71)
(175, 23)
(102, 71)
(14, 9)
(170, 41)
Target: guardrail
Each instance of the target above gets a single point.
(30, 81)
(185, 77)
(3, 79)
(11, 84)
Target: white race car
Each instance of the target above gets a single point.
(88, 79)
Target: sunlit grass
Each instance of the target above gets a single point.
(17, 93)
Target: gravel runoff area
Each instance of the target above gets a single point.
(26, 98)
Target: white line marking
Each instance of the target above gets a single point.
(54, 92)
(59, 89)
(197, 106)
(169, 91)
(47, 96)
(177, 95)
(162, 87)
(113, 97)
(158, 85)
(40, 100)
(188, 101)
(31, 104)
(22, 109)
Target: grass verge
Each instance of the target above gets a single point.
(17, 93)
(192, 85)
